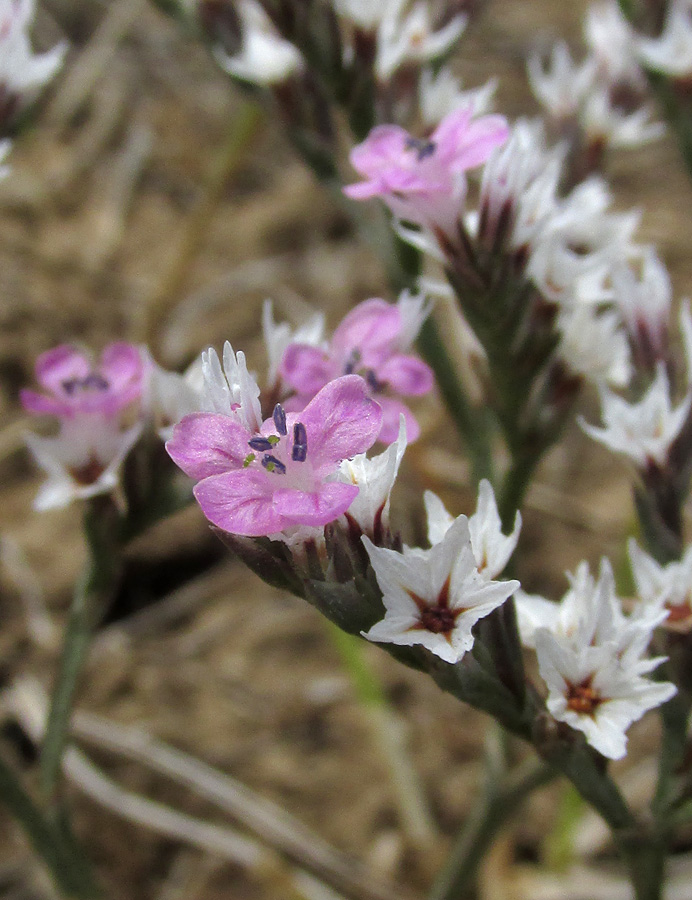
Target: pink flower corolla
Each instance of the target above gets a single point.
(422, 179)
(76, 386)
(287, 474)
(370, 341)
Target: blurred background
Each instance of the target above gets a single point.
(121, 219)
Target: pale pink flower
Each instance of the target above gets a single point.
(422, 180)
(370, 342)
(287, 474)
(76, 386)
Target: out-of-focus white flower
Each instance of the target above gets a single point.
(82, 461)
(441, 93)
(22, 73)
(613, 44)
(563, 85)
(375, 478)
(643, 431)
(171, 395)
(643, 299)
(414, 309)
(491, 548)
(408, 35)
(434, 597)
(594, 346)
(667, 588)
(266, 58)
(606, 123)
(230, 389)
(671, 53)
(277, 337)
(582, 235)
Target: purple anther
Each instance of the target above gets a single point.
(280, 419)
(300, 443)
(272, 464)
(260, 443)
(423, 148)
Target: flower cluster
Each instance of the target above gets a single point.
(98, 406)
(593, 659)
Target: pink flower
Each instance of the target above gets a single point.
(77, 387)
(422, 180)
(369, 342)
(287, 474)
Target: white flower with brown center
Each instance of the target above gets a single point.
(667, 588)
(434, 597)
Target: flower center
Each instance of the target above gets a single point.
(271, 461)
(583, 698)
(423, 148)
(678, 612)
(89, 473)
(91, 382)
(438, 619)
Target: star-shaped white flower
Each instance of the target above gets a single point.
(671, 53)
(643, 431)
(230, 389)
(434, 597)
(491, 548)
(664, 588)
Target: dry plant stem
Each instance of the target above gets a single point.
(388, 731)
(69, 871)
(241, 135)
(264, 818)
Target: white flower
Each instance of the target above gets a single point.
(22, 73)
(375, 478)
(491, 548)
(667, 588)
(591, 690)
(671, 53)
(593, 658)
(644, 301)
(405, 35)
(642, 431)
(562, 87)
(277, 337)
(604, 122)
(434, 597)
(414, 309)
(231, 390)
(613, 44)
(82, 461)
(594, 346)
(170, 395)
(266, 58)
(440, 94)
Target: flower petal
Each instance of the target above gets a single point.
(317, 508)
(240, 502)
(205, 444)
(406, 374)
(305, 368)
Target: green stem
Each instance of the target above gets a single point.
(101, 526)
(645, 855)
(499, 803)
(470, 422)
(69, 870)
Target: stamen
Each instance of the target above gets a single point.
(423, 148)
(300, 443)
(272, 464)
(375, 386)
(352, 362)
(260, 443)
(92, 382)
(250, 458)
(280, 419)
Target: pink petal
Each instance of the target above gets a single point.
(206, 444)
(383, 146)
(391, 410)
(482, 137)
(452, 129)
(364, 190)
(241, 502)
(40, 404)
(369, 327)
(302, 508)
(61, 364)
(305, 368)
(406, 375)
(121, 364)
(341, 421)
